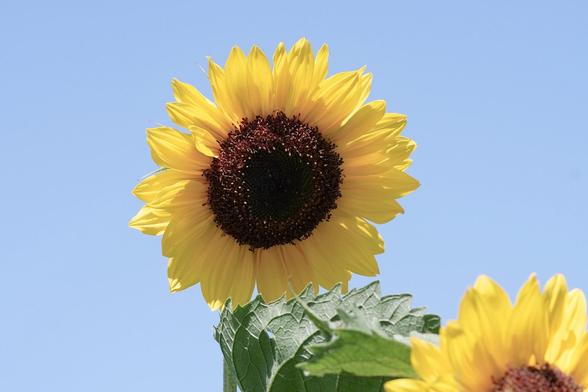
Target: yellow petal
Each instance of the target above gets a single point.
(378, 138)
(327, 270)
(370, 187)
(578, 366)
(392, 184)
(465, 356)
(175, 150)
(185, 266)
(406, 385)
(259, 83)
(271, 274)
(360, 123)
(321, 66)
(574, 316)
(281, 78)
(194, 109)
(299, 269)
(301, 69)
(148, 189)
(185, 229)
(567, 310)
(556, 293)
(227, 274)
(205, 142)
(181, 196)
(221, 92)
(428, 361)
(357, 243)
(150, 221)
(336, 99)
(484, 313)
(529, 328)
(371, 207)
(235, 79)
(391, 124)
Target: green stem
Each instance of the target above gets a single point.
(229, 381)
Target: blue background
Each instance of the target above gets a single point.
(496, 94)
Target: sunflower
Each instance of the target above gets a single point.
(538, 345)
(278, 179)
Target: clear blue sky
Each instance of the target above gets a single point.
(496, 94)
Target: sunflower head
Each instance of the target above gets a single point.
(275, 181)
(539, 344)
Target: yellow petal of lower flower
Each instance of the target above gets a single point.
(556, 297)
(529, 327)
(406, 385)
(578, 362)
(484, 313)
(428, 360)
(491, 298)
(556, 294)
(494, 344)
(574, 316)
(175, 150)
(150, 221)
(464, 356)
(567, 318)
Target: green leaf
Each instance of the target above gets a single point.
(325, 343)
(360, 352)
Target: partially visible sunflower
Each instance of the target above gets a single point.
(277, 180)
(538, 345)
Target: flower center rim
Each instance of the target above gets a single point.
(543, 378)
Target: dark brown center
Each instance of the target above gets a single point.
(274, 180)
(545, 378)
